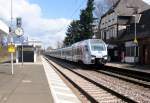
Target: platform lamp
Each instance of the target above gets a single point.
(135, 29)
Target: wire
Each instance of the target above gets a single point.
(72, 15)
(77, 8)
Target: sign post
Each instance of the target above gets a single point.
(11, 49)
(22, 54)
(12, 64)
(19, 32)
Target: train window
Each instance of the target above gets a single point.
(97, 47)
(86, 48)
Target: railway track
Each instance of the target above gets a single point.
(141, 79)
(144, 76)
(100, 88)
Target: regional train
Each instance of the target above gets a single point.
(91, 51)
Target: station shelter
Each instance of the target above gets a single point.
(28, 52)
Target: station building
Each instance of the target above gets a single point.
(4, 32)
(117, 29)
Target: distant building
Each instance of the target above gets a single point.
(117, 30)
(4, 32)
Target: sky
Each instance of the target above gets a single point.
(60, 8)
(44, 20)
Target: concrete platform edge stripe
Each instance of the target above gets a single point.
(51, 82)
(52, 90)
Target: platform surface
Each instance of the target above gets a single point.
(140, 68)
(28, 84)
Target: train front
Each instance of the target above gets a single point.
(98, 52)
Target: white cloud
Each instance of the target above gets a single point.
(147, 1)
(49, 31)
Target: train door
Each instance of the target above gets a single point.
(86, 54)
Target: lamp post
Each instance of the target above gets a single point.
(135, 36)
(135, 30)
(135, 40)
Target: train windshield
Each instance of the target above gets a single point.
(97, 47)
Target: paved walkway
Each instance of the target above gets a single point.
(33, 83)
(143, 68)
(27, 85)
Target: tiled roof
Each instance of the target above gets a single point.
(122, 7)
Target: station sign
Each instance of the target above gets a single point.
(11, 48)
(18, 22)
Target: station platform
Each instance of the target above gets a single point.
(33, 83)
(140, 68)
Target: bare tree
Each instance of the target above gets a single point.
(111, 2)
(59, 44)
(101, 6)
(49, 48)
(100, 9)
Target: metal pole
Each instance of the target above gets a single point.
(135, 25)
(135, 43)
(12, 67)
(11, 12)
(22, 54)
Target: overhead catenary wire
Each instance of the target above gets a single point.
(74, 12)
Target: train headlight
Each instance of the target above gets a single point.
(105, 56)
(93, 56)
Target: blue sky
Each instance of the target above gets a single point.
(44, 20)
(69, 9)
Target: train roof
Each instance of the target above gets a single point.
(89, 40)
(82, 43)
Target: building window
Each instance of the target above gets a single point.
(130, 51)
(102, 33)
(127, 51)
(107, 35)
(114, 33)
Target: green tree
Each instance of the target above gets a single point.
(81, 29)
(86, 21)
(73, 33)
